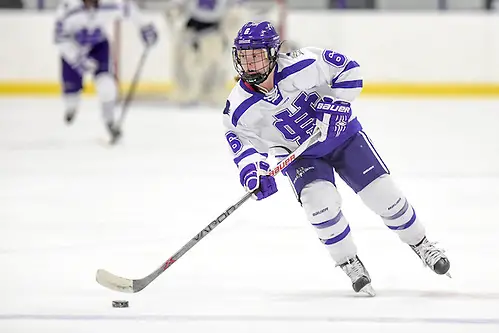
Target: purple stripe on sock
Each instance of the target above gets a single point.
(406, 225)
(329, 223)
(338, 238)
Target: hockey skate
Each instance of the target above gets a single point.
(361, 281)
(114, 131)
(69, 116)
(432, 257)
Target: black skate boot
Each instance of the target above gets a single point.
(69, 116)
(361, 281)
(432, 257)
(114, 131)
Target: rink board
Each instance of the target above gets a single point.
(382, 89)
(395, 54)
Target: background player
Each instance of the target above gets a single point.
(279, 102)
(84, 47)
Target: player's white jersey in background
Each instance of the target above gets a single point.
(81, 34)
(276, 123)
(78, 29)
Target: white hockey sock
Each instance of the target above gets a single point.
(108, 112)
(403, 220)
(322, 204)
(384, 198)
(107, 90)
(71, 102)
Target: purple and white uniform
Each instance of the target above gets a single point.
(82, 34)
(275, 123)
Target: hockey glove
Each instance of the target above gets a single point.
(149, 35)
(332, 117)
(254, 177)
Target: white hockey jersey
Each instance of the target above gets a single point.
(78, 29)
(276, 123)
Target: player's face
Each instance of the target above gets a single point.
(254, 61)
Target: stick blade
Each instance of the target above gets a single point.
(113, 282)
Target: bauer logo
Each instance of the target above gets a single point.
(320, 211)
(283, 164)
(333, 107)
(344, 109)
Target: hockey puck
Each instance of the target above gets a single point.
(120, 304)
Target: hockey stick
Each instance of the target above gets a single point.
(129, 95)
(117, 283)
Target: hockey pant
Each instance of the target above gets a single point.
(105, 82)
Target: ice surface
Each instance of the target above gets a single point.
(70, 204)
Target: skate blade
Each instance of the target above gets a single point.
(369, 290)
(115, 137)
(114, 140)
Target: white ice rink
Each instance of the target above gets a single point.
(69, 205)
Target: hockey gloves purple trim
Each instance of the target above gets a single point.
(149, 35)
(332, 117)
(255, 176)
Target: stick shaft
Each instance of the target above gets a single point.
(127, 285)
(141, 284)
(276, 170)
(133, 86)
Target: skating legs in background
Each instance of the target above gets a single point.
(99, 64)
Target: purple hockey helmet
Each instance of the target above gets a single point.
(256, 36)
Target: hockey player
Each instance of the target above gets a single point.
(201, 43)
(83, 43)
(279, 102)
